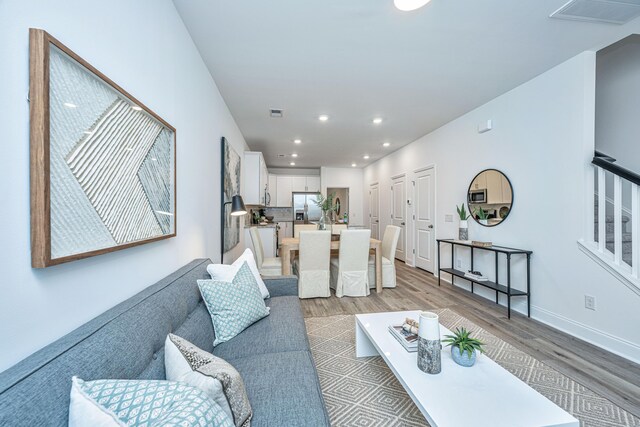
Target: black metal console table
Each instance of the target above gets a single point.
(500, 289)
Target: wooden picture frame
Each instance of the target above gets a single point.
(152, 180)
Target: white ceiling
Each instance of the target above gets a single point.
(358, 59)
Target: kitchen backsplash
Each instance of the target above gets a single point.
(280, 214)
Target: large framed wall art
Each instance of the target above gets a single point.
(103, 166)
(230, 168)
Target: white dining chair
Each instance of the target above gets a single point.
(297, 228)
(267, 266)
(389, 245)
(337, 228)
(349, 272)
(312, 264)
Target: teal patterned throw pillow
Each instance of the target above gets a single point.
(233, 306)
(142, 403)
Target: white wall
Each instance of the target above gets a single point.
(543, 141)
(350, 178)
(143, 46)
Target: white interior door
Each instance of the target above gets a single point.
(424, 211)
(374, 211)
(398, 213)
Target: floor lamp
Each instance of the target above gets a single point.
(237, 209)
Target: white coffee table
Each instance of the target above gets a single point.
(483, 395)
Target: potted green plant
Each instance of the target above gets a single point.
(463, 229)
(483, 216)
(326, 205)
(464, 348)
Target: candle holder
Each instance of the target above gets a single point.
(429, 346)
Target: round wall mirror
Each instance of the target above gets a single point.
(490, 197)
(338, 206)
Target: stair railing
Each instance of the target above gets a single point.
(628, 269)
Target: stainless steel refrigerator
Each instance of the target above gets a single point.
(305, 210)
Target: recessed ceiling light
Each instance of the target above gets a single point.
(323, 118)
(294, 155)
(409, 5)
(136, 108)
(377, 120)
(353, 165)
(70, 105)
(292, 164)
(386, 144)
(366, 157)
(297, 141)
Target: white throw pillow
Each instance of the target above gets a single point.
(189, 364)
(137, 403)
(177, 368)
(226, 273)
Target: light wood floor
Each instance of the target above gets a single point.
(611, 376)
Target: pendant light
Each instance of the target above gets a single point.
(409, 5)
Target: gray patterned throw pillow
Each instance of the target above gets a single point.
(189, 364)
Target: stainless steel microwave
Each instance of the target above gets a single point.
(478, 196)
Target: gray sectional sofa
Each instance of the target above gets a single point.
(127, 341)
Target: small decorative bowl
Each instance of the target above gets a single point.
(463, 359)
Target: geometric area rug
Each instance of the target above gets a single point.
(363, 392)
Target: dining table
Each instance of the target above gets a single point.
(292, 244)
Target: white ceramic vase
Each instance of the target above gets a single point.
(429, 347)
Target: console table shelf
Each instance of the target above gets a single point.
(499, 288)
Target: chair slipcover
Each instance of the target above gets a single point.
(297, 228)
(349, 273)
(337, 228)
(313, 264)
(389, 245)
(267, 266)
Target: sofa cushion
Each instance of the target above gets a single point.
(283, 389)
(283, 330)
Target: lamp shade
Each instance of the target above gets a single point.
(237, 206)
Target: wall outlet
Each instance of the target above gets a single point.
(459, 264)
(590, 302)
(448, 218)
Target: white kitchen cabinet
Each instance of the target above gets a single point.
(506, 190)
(255, 178)
(284, 190)
(299, 183)
(313, 184)
(494, 187)
(268, 237)
(480, 182)
(272, 189)
(287, 184)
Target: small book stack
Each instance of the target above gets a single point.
(476, 275)
(406, 334)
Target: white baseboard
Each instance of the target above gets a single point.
(611, 343)
(604, 340)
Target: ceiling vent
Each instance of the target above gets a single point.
(608, 11)
(276, 113)
(281, 156)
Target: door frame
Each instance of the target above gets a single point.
(414, 230)
(376, 183)
(406, 213)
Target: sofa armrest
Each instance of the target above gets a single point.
(280, 286)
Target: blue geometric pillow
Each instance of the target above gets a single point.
(233, 306)
(142, 403)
